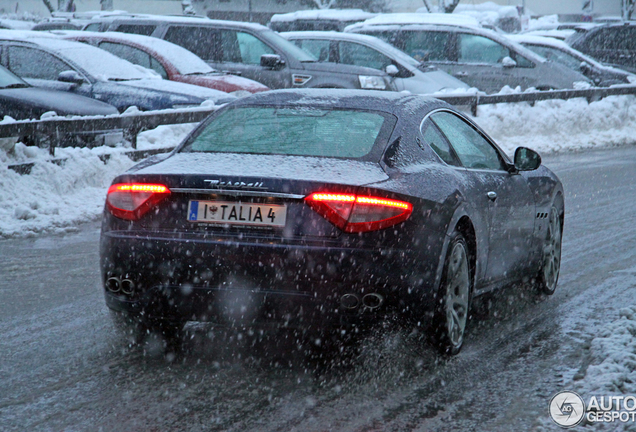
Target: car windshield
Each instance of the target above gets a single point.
(289, 47)
(556, 55)
(9, 80)
(290, 131)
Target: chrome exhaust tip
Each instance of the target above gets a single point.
(113, 284)
(349, 301)
(373, 300)
(128, 286)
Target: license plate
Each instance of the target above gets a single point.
(227, 212)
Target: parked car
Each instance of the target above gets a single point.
(21, 101)
(612, 44)
(252, 51)
(368, 51)
(479, 57)
(171, 61)
(282, 209)
(50, 62)
(318, 20)
(560, 52)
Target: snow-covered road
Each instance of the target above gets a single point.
(62, 368)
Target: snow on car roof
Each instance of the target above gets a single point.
(555, 34)
(16, 24)
(97, 62)
(143, 19)
(326, 14)
(185, 61)
(418, 18)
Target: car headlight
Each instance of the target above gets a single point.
(372, 82)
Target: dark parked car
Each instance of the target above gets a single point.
(249, 50)
(171, 61)
(21, 101)
(481, 58)
(47, 61)
(612, 44)
(312, 209)
(560, 52)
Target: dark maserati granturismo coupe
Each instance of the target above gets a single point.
(318, 209)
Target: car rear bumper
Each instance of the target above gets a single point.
(249, 282)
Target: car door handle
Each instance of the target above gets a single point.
(461, 74)
(492, 195)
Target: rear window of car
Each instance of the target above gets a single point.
(290, 131)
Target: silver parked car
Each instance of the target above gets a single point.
(477, 56)
(560, 52)
(368, 51)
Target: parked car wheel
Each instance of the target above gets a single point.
(453, 298)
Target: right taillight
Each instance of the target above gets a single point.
(131, 201)
(359, 213)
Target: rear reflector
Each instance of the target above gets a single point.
(359, 213)
(131, 201)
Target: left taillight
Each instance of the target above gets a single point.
(359, 213)
(131, 201)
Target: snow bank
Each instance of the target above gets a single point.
(487, 13)
(56, 198)
(559, 125)
(613, 364)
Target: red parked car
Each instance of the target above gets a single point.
(171, 61)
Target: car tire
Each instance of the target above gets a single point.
(453, 298)
(548, 276)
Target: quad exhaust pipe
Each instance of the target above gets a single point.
(115, 285)
(371, 301)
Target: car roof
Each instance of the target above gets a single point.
(390, 102)
(324, 14)
(417, 18)
(555, 34)
(145, 19)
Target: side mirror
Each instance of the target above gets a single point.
(272, 61)
(526, 159)
(392, 70)
(507, 62)
(70, 76)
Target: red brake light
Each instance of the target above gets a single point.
(131, 201)
(359, 213)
